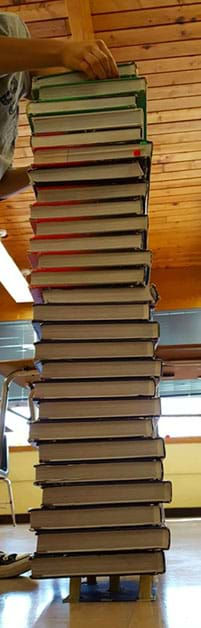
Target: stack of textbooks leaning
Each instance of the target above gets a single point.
(100, 456)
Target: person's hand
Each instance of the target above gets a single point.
(91, 57)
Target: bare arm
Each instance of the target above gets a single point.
(93, 57)
(14, 181)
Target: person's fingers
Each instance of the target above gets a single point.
(113, 66)
(104, 61)
(87, 69)
(95, 65)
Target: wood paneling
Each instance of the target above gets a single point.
(108, 6)
(11, 311)
(148, 36)
(156, 50)
(179, 288)
(144, 18)
(49, 28)
(44, 19)
(32, 11)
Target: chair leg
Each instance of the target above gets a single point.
(4, 404)
(32, 407)
(11, 500)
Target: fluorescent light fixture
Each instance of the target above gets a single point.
(12, 279)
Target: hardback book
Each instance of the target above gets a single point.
(45, 350)
(98, 408)
(92, 312)
(149, 538)
(64, 276)
(88, 89)
(42, 246)
(97, 516)
(100, 137)
(102, 449)
(66, 104)
(102, 471)
(100, 296)
(90, 153)
(150, 491)
(96, 388)
(128, 68)
(86, 226)
(121, 170)
(101, 368)
(88, 137)
(73, 122)
(47, 566)
(57, 211)
(82, 430)
(92, 192)
(103, 330)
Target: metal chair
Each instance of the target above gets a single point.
(4, 476)
(22, 373)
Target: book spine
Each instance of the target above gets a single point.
(38, 329)
(37, 294)
(33, 259)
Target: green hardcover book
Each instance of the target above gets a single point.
(89, 88)
(90, 120)
(76, 105)
(125, 69)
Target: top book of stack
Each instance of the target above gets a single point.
(125, 69)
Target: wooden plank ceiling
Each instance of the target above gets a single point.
(163, 36)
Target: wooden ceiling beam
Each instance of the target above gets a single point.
(79, 14)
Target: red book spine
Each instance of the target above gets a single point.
(61, 219)
(60, 269)
(58, 236)
(33, 259)
(56, 203)
(55, 147)
(61, 164)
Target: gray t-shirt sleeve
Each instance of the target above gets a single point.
(12, 87)
(12, 26)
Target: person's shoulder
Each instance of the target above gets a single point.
(11, 25)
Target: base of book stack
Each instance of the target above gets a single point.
(112, 589)
(101, 523)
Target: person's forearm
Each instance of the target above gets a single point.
(45, 71)
(29, 54)
(14, 181)
(92, 57)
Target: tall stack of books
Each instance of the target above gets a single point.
(100, 456)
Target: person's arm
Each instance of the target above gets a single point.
(93, 58)
(14, 181)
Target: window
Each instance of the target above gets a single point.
(180, 416)
(17, 427)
